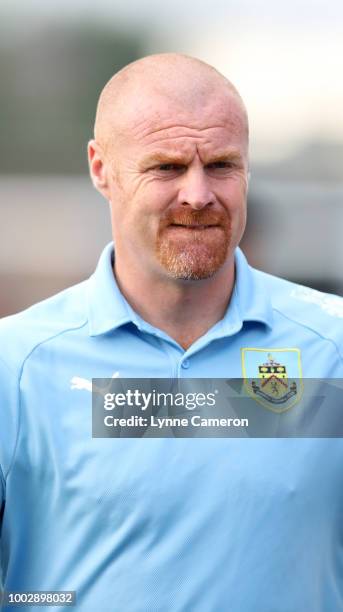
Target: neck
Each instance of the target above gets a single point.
(185, 310)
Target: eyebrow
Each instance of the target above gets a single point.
(226, 155)
(164, 157)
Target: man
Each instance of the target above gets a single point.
(135, 525)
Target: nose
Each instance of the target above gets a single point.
(195, 190)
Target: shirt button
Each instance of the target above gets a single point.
(185, 364)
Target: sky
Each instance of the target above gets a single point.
(286, 58)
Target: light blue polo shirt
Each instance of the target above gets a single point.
(166, 525)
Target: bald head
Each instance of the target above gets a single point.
(170, 78)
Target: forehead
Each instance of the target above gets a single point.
(162, 124)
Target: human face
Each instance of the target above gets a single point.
(177, 188)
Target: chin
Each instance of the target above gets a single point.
(192, 264)
(191, 275)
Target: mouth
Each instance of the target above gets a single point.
(193, 226)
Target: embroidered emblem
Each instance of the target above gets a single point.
(273, 377)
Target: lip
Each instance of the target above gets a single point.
(192, 227)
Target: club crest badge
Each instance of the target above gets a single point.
(273, 376)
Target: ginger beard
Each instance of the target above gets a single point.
(197, 252)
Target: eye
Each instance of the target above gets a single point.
(220, 165)
(169, 167)
(167, 170)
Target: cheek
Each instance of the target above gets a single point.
(235, 196)
(235, 200)
(156, 196)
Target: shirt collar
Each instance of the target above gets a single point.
(108, 309)
(253, 301)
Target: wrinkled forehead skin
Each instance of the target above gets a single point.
(164, 94)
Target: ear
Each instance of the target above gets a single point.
(98, 168)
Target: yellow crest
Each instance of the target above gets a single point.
(273, 376)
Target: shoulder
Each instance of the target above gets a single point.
(321, 313)
(21, 333)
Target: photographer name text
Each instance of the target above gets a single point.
(161, 422)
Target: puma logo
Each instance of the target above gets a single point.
(85, 384)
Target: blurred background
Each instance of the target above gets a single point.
(285, 58)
